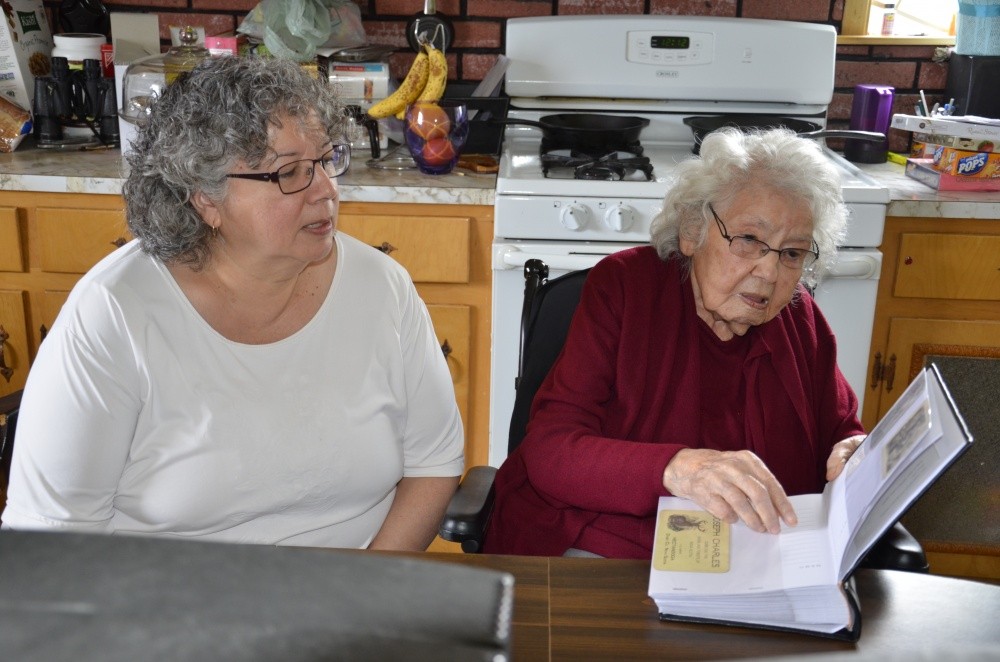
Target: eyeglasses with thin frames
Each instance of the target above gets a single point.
(754, 249)
(298, 175)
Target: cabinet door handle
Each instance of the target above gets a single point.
(119, 242)
(890, 373)
(446, 348)
(883, 372)
(876, 371)
(385, 247)
(5, 371)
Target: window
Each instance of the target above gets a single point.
(911, 18)
(925, 17)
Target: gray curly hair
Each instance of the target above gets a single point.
(730, 161)
(204, 122)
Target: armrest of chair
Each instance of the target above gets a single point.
(9, 406)
(897, 550)
(469, 510)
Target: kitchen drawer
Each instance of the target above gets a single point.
(434, 249)
(11, 255)
(74, 240)
(14, 349)
(948, 266)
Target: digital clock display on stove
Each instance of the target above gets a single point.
(669, 42)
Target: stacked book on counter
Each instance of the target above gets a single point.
(953, 153)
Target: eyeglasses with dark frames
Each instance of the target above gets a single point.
(298, 175)
(753, 249)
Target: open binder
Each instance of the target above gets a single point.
(706, 570)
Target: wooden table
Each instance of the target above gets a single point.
(593, 609)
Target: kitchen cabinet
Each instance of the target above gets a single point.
(48, 240)
(939, 296)
(446, 250)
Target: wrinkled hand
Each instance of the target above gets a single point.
(732, 485)
(841, 453)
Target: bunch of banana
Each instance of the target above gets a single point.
(425, 81)
(437, 74)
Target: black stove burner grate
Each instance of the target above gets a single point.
(606, 165)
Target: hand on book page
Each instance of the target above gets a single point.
(707, 570)
(841, 453)
(732, 485)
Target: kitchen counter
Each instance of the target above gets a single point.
(46, 170)
(32, 169)
(910, 198)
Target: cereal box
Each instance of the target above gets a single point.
(923, 170)
(966, 163)
(25, 48)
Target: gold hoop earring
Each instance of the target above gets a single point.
(215, 232)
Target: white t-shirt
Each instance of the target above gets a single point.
(140, 418)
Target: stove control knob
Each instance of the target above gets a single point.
(620, 217)
(574, 216)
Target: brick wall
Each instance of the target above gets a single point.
(479, 36)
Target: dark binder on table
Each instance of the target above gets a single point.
(76, 596)
(705, 570)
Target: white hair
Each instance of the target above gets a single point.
(732, 160)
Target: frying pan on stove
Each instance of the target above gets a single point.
(702, 125)
(582, 130)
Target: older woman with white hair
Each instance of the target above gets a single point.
(699, 366)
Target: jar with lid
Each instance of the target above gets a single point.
(77, 47)
(185, 55)
(146, 78)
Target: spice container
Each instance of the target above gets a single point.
(888, 19)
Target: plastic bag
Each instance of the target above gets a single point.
(294, 29)
(346, 29)
(15, 124)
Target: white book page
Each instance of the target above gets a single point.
(806, 558)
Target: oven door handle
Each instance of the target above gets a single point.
(511, 257)
(860, 267)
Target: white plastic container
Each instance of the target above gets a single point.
(77, 47)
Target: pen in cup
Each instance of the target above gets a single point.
(923, 104)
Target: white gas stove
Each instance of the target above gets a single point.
(661, 69)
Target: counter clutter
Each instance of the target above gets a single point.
(30, 169)
(100, 171)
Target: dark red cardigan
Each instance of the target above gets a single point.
(626, 395)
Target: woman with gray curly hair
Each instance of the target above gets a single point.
(698, 366)
(240, 371)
